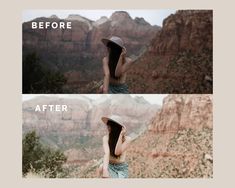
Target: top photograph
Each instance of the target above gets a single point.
(163, 51)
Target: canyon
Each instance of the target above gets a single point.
(174, 58)
(78, 131)
(177, 144)
(174, 140)
(77, 53)
(179, 59)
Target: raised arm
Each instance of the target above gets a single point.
(106, 157)
(123, 64)
(106, 75)
(122, 146)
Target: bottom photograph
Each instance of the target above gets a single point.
(117, 136)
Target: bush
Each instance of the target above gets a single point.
(40, 159)
(38, 79)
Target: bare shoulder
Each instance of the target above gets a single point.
(105, 59)
(105, 138)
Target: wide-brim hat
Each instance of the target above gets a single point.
(114, 118)
(114, 39)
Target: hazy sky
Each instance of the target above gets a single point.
(152, 98)
(154, 17)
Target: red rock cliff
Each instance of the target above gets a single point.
(179, 58)
(184, 31)
(183, 111)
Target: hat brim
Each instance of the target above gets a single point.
(106, 119)
(106, 41)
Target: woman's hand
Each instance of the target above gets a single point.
(105, 173)
(123, 131)
(123, 54)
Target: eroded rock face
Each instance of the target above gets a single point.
(51, 121)
(184, 111)
(179, 58)
(136, 33)
(78, 52)
(78, 132)
(189, 30)
(86, 114)
(85, 36)
(178, 144)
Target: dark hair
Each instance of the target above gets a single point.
(114, 133)
(114, 54)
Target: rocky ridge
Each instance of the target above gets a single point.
(178, 143)
(78, 132)
(77, 53)
(179, 57)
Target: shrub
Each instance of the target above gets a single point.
(39, 79)
(40, 159)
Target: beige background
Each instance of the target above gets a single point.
(224, 127)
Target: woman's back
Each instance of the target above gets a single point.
(119, 159)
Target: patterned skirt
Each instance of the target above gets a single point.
(118, 88)
(119, 170)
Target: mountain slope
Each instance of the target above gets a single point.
(178, 143)
(77, 53)
(78, 132)
(179, 58)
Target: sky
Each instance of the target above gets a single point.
(151, 98)
(154, 17)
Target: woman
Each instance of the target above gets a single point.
(115, 144)
(115, 66)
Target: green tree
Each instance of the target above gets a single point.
(32, 152)
(41, 159)
(32, 73)
(38, 79)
